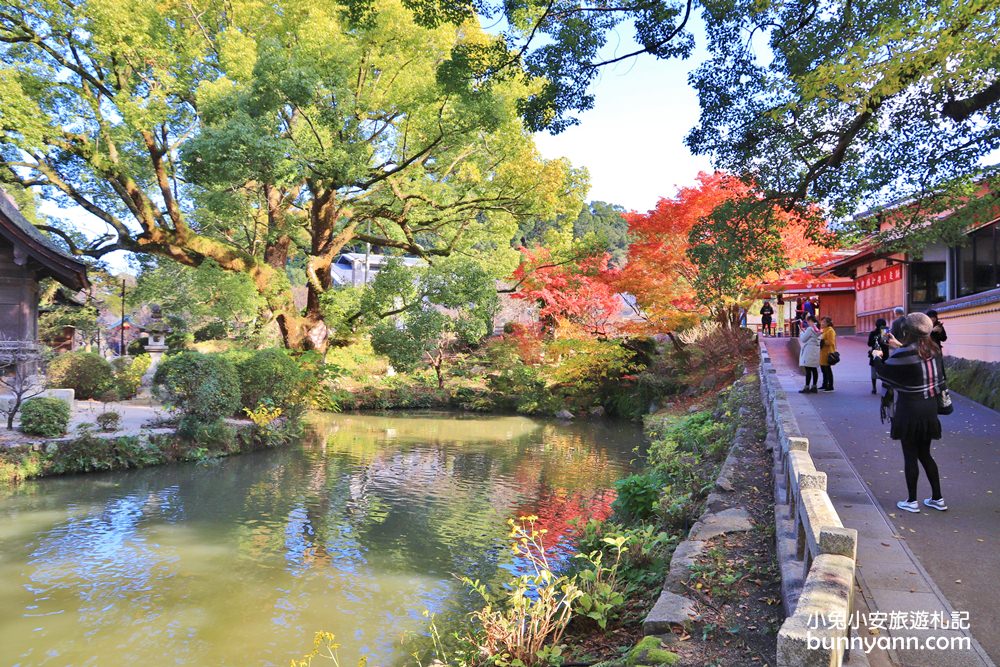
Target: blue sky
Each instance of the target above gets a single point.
(632, 141)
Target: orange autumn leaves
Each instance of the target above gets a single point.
(659, 272)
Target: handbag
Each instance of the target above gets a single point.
(944, 404)
(887, 407)
(833, 358)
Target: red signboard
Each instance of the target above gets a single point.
(889, 274)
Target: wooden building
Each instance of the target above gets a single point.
(833, 295)
(962, 283)
(27, 256)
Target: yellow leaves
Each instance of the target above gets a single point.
(237, 54)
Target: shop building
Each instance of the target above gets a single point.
(962, 283)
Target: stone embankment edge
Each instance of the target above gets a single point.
(722, 515)
(816, 553)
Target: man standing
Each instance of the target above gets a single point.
(938, 334)
(896, 328)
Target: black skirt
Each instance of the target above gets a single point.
(916, 418)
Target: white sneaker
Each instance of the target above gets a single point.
(908, 506)
(936, 504)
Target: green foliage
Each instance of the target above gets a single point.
(47, 417)
(128, 372)
(271, 377)
(601, 597)
(254, 136)
(211, 436)
(19, 463)
(650, 651)
(522, 623)
(699, 433)
(89, 453)
(637, 496)
(406, 343)
(86, 373)
(203, 387)
(977, 380)
(53, 320)
(648, 554)
(856, 106)
(109, 420)
(449, 308)
(211, 302)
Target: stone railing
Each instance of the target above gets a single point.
(816, 553)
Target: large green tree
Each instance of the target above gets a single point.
(247, 134)
(855, 105)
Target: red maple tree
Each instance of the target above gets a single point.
(580, 291)
(662, 274)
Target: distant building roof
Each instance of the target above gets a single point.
(31, 244)
(349, 267)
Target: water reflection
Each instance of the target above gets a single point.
(237, 562)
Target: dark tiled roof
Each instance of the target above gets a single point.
(52, 260)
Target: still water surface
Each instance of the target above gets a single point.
(239, 561)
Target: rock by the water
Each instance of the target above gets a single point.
(564, 414)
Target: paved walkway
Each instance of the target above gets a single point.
(932, 561)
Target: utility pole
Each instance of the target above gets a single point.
(121, 342)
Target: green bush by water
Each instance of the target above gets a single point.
(47, 417)
(201, 386)
(86, 373)
(128, 372)
(270, 377)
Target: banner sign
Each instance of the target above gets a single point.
(889, 274)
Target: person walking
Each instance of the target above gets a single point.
(938, 334)
(809, 353)
(896, 328)
(877, 341)
(915, 372)
(766, 312)
(800, 315)
(828, 345)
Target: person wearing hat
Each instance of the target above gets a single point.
(937, 333)
(915, 372)
(877, 341)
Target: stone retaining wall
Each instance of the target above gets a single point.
(817, 554)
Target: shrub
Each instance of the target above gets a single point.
(637, 496)
(47, 417)
(977, 380)
(109, 421)
(523, 622)
(86, 373)
(88, 453)
(270, 377)
(204, 387)
(215, 435)
(128, 372)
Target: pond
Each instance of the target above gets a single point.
(356, 531)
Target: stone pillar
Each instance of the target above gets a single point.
(155, 348)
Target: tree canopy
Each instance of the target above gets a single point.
(854, 105)
(247, 134)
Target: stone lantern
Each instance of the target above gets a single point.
(156, 331)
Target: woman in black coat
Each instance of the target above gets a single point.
(877, 341)
(916, 374)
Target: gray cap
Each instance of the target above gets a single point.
(918, 325)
